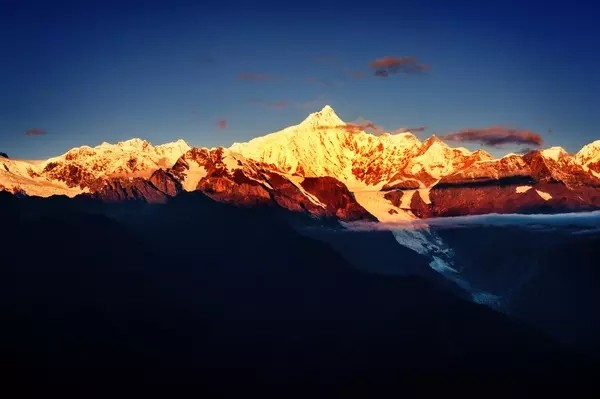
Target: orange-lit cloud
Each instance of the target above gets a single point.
(35, 132)
(222, 123)
(361, 125)
(390, 65)
(358, 74)
(365, 125)
(494, 136)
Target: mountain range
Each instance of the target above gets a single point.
(327, 168)
(243, 278)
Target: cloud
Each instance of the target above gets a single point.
(391, 65)
(358, 74)
(365, 125)
(525, 150)
(494, 136)
(574, 223)
(257, 77)
(222, 123)
(418, 129)
(35, 132)
(270, 104)
(359, 126)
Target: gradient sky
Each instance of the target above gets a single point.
(84, 72)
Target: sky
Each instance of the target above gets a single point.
(214, 73)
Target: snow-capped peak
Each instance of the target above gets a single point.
(86, 166)
(589, 158)
(436, 159)
(589, 152)
(173, 150)
(323, 118)
(433, 143)
(321, 145)
(554, 153)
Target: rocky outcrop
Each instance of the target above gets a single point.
(395, 197)
(226, 176)
(333, 199)
(490, 171)
(287, 193)
(237, 188)
(403, 184)
(135, 189)
(156, 189)
(72, 175)
(165, 182)
(504, 197)
(336, 197)
(3, 155)
(88, 167)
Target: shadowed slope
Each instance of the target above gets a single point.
(198, 292)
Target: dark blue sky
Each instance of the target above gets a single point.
(91, 71)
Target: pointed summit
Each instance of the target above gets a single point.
(554, 153)
(434, 139)
(327, 109)
(325, 117)
(427, 144)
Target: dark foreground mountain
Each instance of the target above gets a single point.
(108, 298)
(546, 274)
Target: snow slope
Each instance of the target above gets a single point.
(22, 177)
(83, 168)
(324, 145)
(589, 158)
(375, 203)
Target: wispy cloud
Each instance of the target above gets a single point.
(525, 150)
(419, 129)
(365, 125)
(257, 77)
(386, 66)
(222, 123)
(360, 125)
(568, 223)
(358, 74)
(495, 136)
(35, 132)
